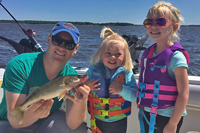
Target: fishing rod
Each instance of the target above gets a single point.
(36, 47)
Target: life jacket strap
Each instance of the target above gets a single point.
(93, 126)
(145, 95)
(104, 113)
(154, 106)
(105, 100)
(144, 86)
(108, 112)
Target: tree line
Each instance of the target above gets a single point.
(75, 23)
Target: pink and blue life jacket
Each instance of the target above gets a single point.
(156, 89)
(154, 80)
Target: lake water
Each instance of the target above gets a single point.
(90, 40)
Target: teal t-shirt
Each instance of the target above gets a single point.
(178, 60)
(25, 71)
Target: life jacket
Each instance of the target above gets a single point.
(104, 105)
(156, 89)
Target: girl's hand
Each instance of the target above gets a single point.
(115, 88)
(93, 84)
(170, 128)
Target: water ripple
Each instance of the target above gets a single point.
(90, 41)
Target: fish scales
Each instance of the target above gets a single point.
(55, 88)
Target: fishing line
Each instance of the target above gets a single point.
(13, 18)
(37, 46)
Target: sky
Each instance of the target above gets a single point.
(95, 11)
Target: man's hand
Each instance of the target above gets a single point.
(76, 107)
(80, 94)
(41, 109)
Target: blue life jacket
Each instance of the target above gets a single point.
(105, 105)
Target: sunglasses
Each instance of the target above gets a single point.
(160, 22)
(56, 40)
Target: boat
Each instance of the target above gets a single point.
(191, 120)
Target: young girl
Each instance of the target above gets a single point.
(112, 83)
(163, 83)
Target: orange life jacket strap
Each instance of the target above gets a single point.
(97, 130)
(93, 125)
(92, 100)
(108, 112)
(105, 100)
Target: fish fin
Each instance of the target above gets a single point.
(32, 89)
(61, 96)
(64, 98)
(63, 85)
(18, 112)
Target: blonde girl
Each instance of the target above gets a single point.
(163, 83)
(112, 83)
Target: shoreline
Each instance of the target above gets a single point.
(82, 23)
(75, 23)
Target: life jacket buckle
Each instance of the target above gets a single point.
(141, 94)
(93, 124)
(153, 111)
(104, 113)
(142, 86)
(104, 100)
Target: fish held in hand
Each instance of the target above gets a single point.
(55, 88)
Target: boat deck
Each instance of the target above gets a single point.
(191, 123)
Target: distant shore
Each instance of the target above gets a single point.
(75, 23)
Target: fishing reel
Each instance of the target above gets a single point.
(30, 44)
(135, 46)
(132, 42)
(30, 32)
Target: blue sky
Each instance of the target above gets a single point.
(96, 11)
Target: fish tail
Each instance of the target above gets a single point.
(18, 112)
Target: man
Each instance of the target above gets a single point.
(36, 69)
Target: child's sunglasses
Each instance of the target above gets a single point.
(160, 22)
(56, 40)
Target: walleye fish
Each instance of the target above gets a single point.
(55, 88)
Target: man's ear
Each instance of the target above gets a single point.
(49, 39)
(76, 48)
(175, 27)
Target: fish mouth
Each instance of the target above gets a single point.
(84, 78)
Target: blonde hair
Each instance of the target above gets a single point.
(111, 38)
(171, 13)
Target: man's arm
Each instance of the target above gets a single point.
(77, 106)
(37, 110)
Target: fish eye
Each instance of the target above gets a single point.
(80, 76)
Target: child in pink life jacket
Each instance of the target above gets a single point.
(112, 83)
(163, 87)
